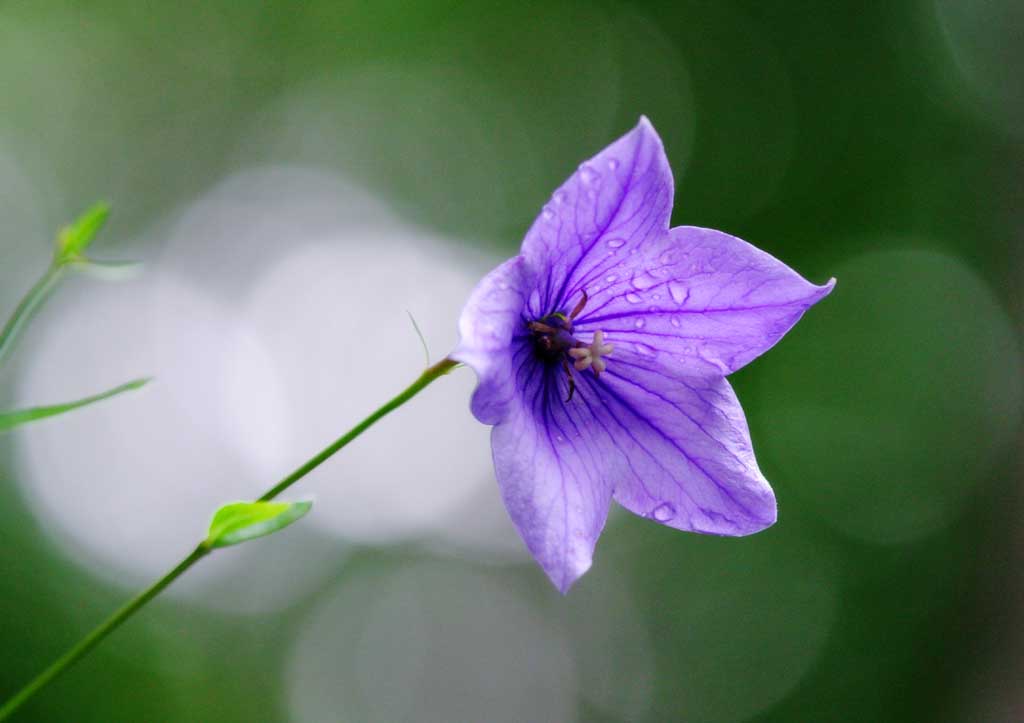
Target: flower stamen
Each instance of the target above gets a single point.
(590, 356)
(553, 341)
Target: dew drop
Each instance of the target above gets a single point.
(613, 164)
(502, 285)
(679, 292)
(633, 298)
(639, 323)
(669, 257)
(642, 282)
(654, 307)
(657, 296)
(548, 214)
(616, 243)
(559, 197)
(610, 278)
(588, 175)
(663, 512)
(645, 350)
(675, 321)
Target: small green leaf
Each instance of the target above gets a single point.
(9, 420)
(243, 521)
(73, 241)
(109, 270)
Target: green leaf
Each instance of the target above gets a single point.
(9, 420)
(243, 521)
(73, 241)
(109, 270)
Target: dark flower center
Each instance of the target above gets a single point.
(553, 342)
(552, 337)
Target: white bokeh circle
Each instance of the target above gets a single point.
(430, 642)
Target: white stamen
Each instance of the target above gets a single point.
(590, 356)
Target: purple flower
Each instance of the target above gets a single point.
(601, 352)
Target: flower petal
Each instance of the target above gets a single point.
(615, 201)
(706, 301)
(551, 472)
(488, 322)
(679, 449)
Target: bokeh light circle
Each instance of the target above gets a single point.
(984, 41)
(891, 400)
(739, 622)
(334, 315)
(430, 642)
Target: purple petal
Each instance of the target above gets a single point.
(490, 318)
(705, 301)
(679, 449)
(619, 199)
(551, 471)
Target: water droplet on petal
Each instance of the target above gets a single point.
(559, 196)
(675, 321)
(548, 214)
(642, 282)
(588, 175)
(663, 512)
(613, 164)
(639, 323)
(669, 257)
(633, 298)
(616, 243)
(610, 278)
(645, 350)
(679, 292)
(502, 285)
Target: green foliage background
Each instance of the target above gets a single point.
(880, 143)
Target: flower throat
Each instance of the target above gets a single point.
(553, 341)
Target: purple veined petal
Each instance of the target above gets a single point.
(681, 449)
(612, 205)
(706, 303)
(551, 471)
(490, 319)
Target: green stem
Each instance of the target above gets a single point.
(27, 308)
(440, 369)
(114, 621)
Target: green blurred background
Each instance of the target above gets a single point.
(297, 175)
